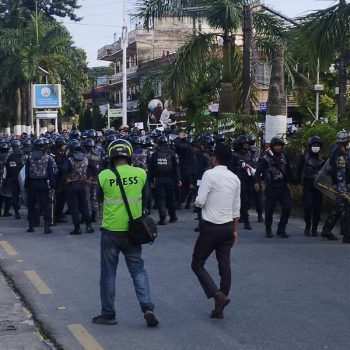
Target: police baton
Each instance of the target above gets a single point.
(346, 196)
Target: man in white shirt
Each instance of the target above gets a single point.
(219, 198)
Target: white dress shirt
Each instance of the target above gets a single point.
(219, 195)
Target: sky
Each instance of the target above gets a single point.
(103, 18)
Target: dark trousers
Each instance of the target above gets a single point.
(60, 201)
(16, 191)
(212, 238)
(246, 195)
(165, 196)
(38, 192)
(277, 194)
(78, 203)
(332, 218)
(187, 189)
(7, 203)
(257, 197)
(312, 203)
(112, 244)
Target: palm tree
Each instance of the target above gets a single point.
(40, 43)
(224, 15)
(325, 35)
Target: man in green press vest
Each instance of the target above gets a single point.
(114, 232)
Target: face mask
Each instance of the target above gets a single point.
(315, 149)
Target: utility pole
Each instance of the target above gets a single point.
(124, 47)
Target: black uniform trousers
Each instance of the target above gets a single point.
(61, 194)
(16, 191)
(212, 238)
(312, 203)
(38, 192)
(78, 202)
(246, 195)
(277, 193)
(165, 196)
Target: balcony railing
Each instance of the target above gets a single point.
(118, 77)
(141, 35)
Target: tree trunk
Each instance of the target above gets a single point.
(247, 45)
(226, 94)
(17, 128)
(342, 86)
(24, 100)
(276, 103)
(276, 116)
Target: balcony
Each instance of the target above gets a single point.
(118, 77)
(137, 35)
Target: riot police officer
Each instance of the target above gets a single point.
(140, 155)
(187, 161)
(93, 154)
(39, 183)
(243, 167)
(276, 171)
(340, 174)
(163, 176)
(15, 162)
(5, 188)
(310, 164)
(78, 171)
(60, 155)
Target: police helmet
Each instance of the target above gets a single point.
(219, 138)
(242, 139)
(39, 144)
(74, 134)
(120, 149)
(110, 139)
(276, 140)
(92, 134)
(89, 143)
(4, 147)
(146, 141)
(134, 131)
(84, 135)
(342, 137)
(74, 146)
(16, 144)
(162, 140)
(60, 141)
(315, 139)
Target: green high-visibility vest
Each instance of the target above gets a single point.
(114, 214)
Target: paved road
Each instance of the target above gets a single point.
(287, 294)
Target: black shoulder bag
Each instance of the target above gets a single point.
(142, 230)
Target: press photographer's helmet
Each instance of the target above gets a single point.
(342, 137)
(120, 149)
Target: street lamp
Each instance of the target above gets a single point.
(124, 43)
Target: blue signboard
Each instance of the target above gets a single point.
(47, 96)
(262, 106)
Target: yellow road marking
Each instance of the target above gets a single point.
(8, 248)
(84, 337)
(38, 283)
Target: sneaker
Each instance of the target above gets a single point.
(162, 222)
(281, 232)
(174, 219)
(216, 314)
(104, 319)
(151, 319)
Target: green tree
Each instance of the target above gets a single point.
(324, 34)
(41, 42)
(51, 8)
